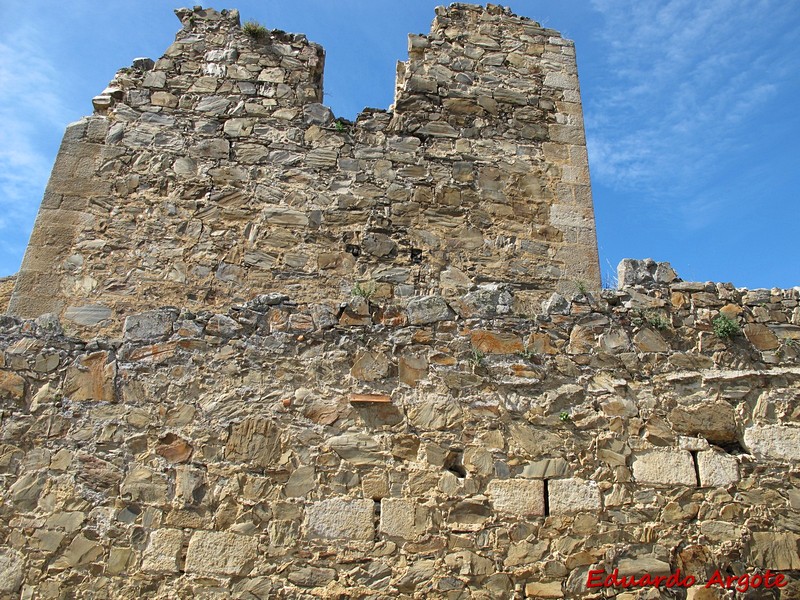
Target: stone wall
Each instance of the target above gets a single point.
(214, 174)
(6, 287)
(392, 375)
(457, 448)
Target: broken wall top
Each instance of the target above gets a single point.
(215, 173)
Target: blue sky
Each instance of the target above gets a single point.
(692, 110)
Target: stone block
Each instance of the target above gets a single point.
(220, 553)
(778, 442)
(761, 336)
(400, 518)
(428, 309)
(540, 589)
(496, 342)
(573, 495)
(143, 485)
(647, 340)
(152, 325)
(12, 570)
(163, 551)
(717, 469)
(664, 466)
(255, 441)
(341, 519)
(92, 377)
(519, 497)
(11, 385)
(775, 551)
(87, 315)
(312, 577)
(715, 421)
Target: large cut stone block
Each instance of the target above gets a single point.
(400, 518)
(717, 469)
(517, 496)
(664, 466)
(163, 551)
(779, 442)
(341, 519)
(220, 553)
(573, 495)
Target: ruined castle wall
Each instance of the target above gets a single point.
(214, 174)
(459, 449)
(6, 288)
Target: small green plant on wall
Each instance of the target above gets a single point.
(365, 291)
(725, 327)
(255, 30)
(656, 320)
(564, 416)
(477, 358)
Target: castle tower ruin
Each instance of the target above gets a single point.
(215, 173)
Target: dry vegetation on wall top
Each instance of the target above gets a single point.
(392, 375)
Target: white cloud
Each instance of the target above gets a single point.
(31, 111)
(683, 79)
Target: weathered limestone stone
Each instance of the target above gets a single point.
(642, 565)
(92, 377)
(370, 366)
(164, 99)
(496, 343)
(312, 577)
(151, 325)
(614, 341)
(664, 466)
(174, 448)
(80, 552)
(775, 551)
(282, 215)
(87, 315)
(358, 448)
(715, 421)
(143, 485)
(517, 496)
(399, 518)
(428, 309)
(645, 273)
(547, 468)
(12, 573)
(410, 369)
(647, 340)
(255, 441)
(761, 336)
(341, 519)
(301, 481)
(568, 496)
(220, 553)
(717, 469)
(780, 442)
(536, 589)
(11, 385)
(163, 551)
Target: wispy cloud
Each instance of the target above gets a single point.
(683, 79)
(31, 112)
